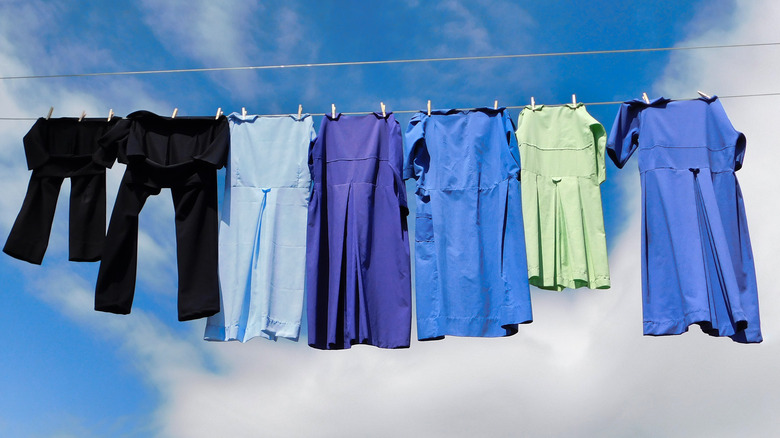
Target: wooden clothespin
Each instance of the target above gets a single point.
(703, 95)
(300, 111)
(219, 113)
(175, 111)
(243, 113)
(429, 107)
(333, 111)
(533, 103)
(644, 96)
(51, 110)
(574, 99)
(83, 114)
(495, 104)
(110, 114)
(382, 104)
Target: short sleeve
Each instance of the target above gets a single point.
(740, 151)
(731, 136)
(111, 143)
(600, 144)
(400, 187)
(624, 137)
(34, 148)
(416, 159)
(511, 139)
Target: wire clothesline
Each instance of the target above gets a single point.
(401, 61)
(395, 61)
(613, 102)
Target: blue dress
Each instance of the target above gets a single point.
(471, 274)
(697, 263)
(262, 231)
(358, 278)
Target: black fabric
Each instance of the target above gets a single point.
(56, 149)
(182, 154)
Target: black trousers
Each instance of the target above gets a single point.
(194, 191)
(29, 235)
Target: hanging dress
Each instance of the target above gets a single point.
(697, 262)
(470, 265)
(562, 155)
(357, 259)
(262, 231)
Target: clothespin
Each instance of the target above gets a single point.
(300, 111)
(51, 110)
(83, 114)
(175, 111)
(382, 104)
(533, 103)
(110, 114)
(429, 107)
(703, 95)
(495, 104)
(574, 99)
(333, 110)
(219, 113)
(644, 96)
(243, 113)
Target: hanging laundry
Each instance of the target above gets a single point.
(697, 262)
(562, 155)
(57, 149)
(262, 231)
(470, 264)
(357, 259)
(182, 154)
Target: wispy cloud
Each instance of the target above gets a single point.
(230, 35)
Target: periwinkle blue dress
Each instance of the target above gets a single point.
(697, 262)
(357, 260)
(471, 274)
(262, 231)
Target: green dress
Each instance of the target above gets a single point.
(562, 159)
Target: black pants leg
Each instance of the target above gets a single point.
(197, 245)
(87, 217)
(29, 235)
(116, 277)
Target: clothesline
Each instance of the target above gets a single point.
(395, 61)
(613, 102)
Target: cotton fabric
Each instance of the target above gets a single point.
(357, 258)
(262, 231)
(470, 263)
(562, 154)
(697, 261)
(182, 154)
(56, 149)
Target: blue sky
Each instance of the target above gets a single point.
(581, 369)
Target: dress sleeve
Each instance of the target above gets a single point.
(511, 138)
(624, 137)
(416, 155)
(600, 144)
(111, 143)
(34, 149)
(729, 134)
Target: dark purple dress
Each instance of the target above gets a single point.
(357, 255)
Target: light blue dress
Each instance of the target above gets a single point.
(471, 274)
(262, 232)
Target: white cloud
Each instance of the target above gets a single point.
(222, 34)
